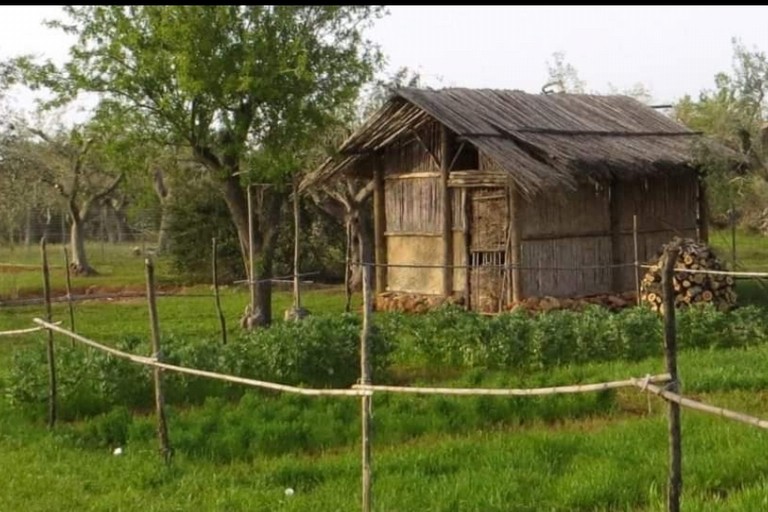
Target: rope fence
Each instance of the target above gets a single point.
(19, 332)
(366, 390)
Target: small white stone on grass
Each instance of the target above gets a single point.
(117, 451)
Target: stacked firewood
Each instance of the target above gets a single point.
(690, 288)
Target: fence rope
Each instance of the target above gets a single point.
(699, 406)
(552, 390)
(24, 331)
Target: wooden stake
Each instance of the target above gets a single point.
(296, 287)
(733, 236)
(365, 379)
(637, 257)
(162, 426)
(670, 356)
(251, 259)
(215, 271)
(348, 268)
(52, 391)
(69, 293)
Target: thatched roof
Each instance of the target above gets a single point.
(541, 140)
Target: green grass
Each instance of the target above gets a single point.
(751, 249)
(598, 452)
(605, 462)
(117, 268)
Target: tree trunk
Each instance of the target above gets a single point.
(234, 196)
(79, 263)
(165, 221)
(267, 209)
(28, 226)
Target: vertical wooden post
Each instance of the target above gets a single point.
(637, 257)
(51, 355)
(251, 259)
(365, 378)
(447, 218)
(515, 241)
(296, 229)
(379, 225)
(675, 483)
(732, 218)
(347, 267)
(614, 214)
(162, 426)
(215, 272)
(702, 211)
(69, 292)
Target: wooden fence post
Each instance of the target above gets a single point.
(162, 426)
(675, 483)
(348, 268)
(215, 271)
(365, 378)
(69, 293)
(52, 392)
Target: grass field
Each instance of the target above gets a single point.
(594, 452)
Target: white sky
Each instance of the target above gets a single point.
(672, 50)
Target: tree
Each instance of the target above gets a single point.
(73, 164)
(563, 76)
(734, 114)
(245, 87)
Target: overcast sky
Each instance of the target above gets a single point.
(671, 50)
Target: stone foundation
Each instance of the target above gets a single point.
(421, 303)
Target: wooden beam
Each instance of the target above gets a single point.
(614, 215)
(515, 239)
(379, 224)
(426, 148)
(446, 148)
(467, 213)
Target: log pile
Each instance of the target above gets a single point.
(690, 288)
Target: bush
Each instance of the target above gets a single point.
(321, 351)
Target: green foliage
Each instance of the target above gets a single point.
(451, 337)
(197, 214)
(321, 351)
(733, 114)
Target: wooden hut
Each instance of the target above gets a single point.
(490, 196)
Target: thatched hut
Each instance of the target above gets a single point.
(501, 195)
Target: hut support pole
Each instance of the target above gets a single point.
(467, 249)
(445, 171)
(379, 225)
(614, 214)
(515, 242)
